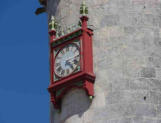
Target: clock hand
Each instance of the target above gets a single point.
(73, 62)
(71, 58)
(69, 64)
(66, 63)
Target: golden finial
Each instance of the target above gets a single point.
(53, 24)
(83, 9)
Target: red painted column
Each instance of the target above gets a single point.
(84, 20)
(87, 47)
(52, 34)
(52, 37)
(87, 55)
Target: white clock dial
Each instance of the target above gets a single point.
(67, 60)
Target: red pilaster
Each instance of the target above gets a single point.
(87, 47)
(52, 34)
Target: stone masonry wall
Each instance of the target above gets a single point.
(127, 62)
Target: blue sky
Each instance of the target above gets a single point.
(24, 64)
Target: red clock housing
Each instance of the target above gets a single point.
(83, 77)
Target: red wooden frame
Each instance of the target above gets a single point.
(83, 79)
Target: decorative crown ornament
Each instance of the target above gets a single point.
(83, 9)
(60, 31)
(53, 24)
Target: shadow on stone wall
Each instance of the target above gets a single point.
(75, 102)
(54, 4)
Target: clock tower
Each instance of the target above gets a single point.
(107, 68)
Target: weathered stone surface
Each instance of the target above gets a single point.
(158, 110)
(121, 120)
(127, 62)
(148, 72)
(138, 119)
(110, 20)
(158, 121)
(155, 84)
(147, 120)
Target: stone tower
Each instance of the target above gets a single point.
(127, 62)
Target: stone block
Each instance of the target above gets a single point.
(155, 58)
(120, 84)
(154, 97)
(138, 96)
(159, 98)
(138, 119)
(113, 121)
(158, 121)
(129, 30)
(158, 110)
(148, 120)
(110, 20)
(148, 72)
(148, 110)
(139, 84)
(125, 120)
(155, 84)
(158, 75)
(119, 110)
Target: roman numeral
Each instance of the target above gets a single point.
(62, 72)
(57, 64)
(76, 51)
(62, 51)
(75, 61)
(58, 69)
(72, 67)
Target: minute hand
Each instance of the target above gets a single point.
(71, 58)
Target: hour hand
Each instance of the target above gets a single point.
(69, 64)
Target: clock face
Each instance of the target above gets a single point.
(67, 60)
